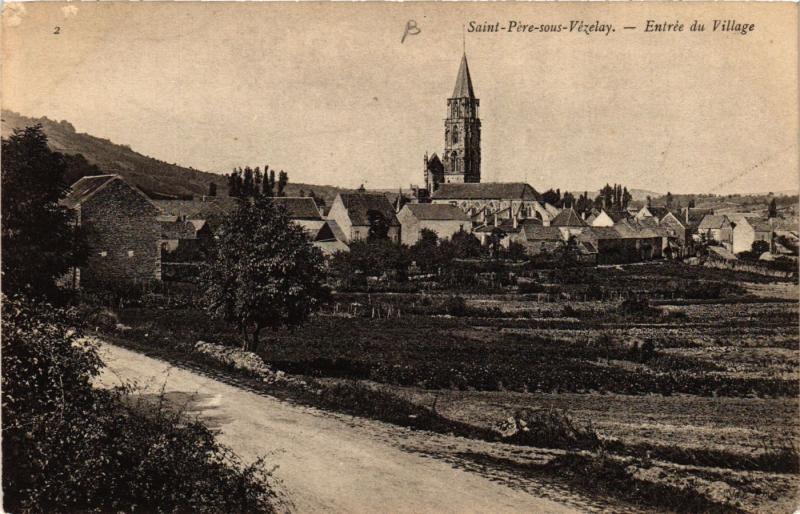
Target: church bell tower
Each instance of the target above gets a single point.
(462, 131)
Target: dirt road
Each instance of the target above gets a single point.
(326, 462)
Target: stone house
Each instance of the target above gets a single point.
(716, 228)
(177, 231)
(749, 229)
(302, 211)
(443, 219)
(354, 213)
(121, 228)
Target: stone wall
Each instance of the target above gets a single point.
(122, 236)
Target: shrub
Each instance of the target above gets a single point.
(549, 428)
(637, 307)
(70, 448)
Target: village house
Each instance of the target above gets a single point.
(122, 232)
(442, 219)
(749, 229)
(178, 231)
(353, 214)
(304, 211)
(716, 228)
(540, 240)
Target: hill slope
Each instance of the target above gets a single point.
(151, 175)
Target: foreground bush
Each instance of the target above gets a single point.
(548, 428)
(68, 447)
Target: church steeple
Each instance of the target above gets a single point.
(462, 135)
(463, 87)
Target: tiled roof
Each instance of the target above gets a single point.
(198, 208)
(617, 216)
(180, 229)
(568, 218)
(337, 231)
(486, 191)
(696, 215)
(358, 206)
(299, 208)
(534, 232)
(85, 187)
(463, 87)
(713, 221)
(436, 211)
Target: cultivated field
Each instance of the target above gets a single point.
(688, 375)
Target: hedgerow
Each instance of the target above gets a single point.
(68, 447)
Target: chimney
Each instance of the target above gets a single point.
(495, 218)
(514, 221)
(483, 215)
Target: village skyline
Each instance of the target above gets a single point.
(566, 113)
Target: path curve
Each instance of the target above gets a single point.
(325, 464)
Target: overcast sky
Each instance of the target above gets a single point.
(330, 94)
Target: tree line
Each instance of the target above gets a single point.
(251, 182)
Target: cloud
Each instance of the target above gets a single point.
(13, 14)
(69, 11)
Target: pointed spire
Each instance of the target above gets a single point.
(463, 87)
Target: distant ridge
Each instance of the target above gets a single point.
(153, 176)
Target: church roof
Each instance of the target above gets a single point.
(486, 191)
(463, 87)
(437, 211)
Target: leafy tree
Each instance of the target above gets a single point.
(760, 247)
(496, 236)
(68, 447)
(516, 251)
(465, 245)
(567, 255)
(552, 197)
(283, 179)
(264, 273)
(78, 167)
(40, 243)
(568, 200)
(773, 209)
(248, 188)
(257, 180)
(212, 189)
(425, 252)
(626, 198)
(372, 258)
(378, 225)
(691, 203)
(669, 200)
(268, 186)
(584, 204)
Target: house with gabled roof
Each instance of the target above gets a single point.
(716, 228)
(355, 213)
(122, 232)
(443, 219)
(749, 229)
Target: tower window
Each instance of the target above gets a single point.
(455, 134)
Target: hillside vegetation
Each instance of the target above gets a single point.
(151, 175)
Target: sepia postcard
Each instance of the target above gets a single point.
(400, 257)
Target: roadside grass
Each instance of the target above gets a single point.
(601, 474)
